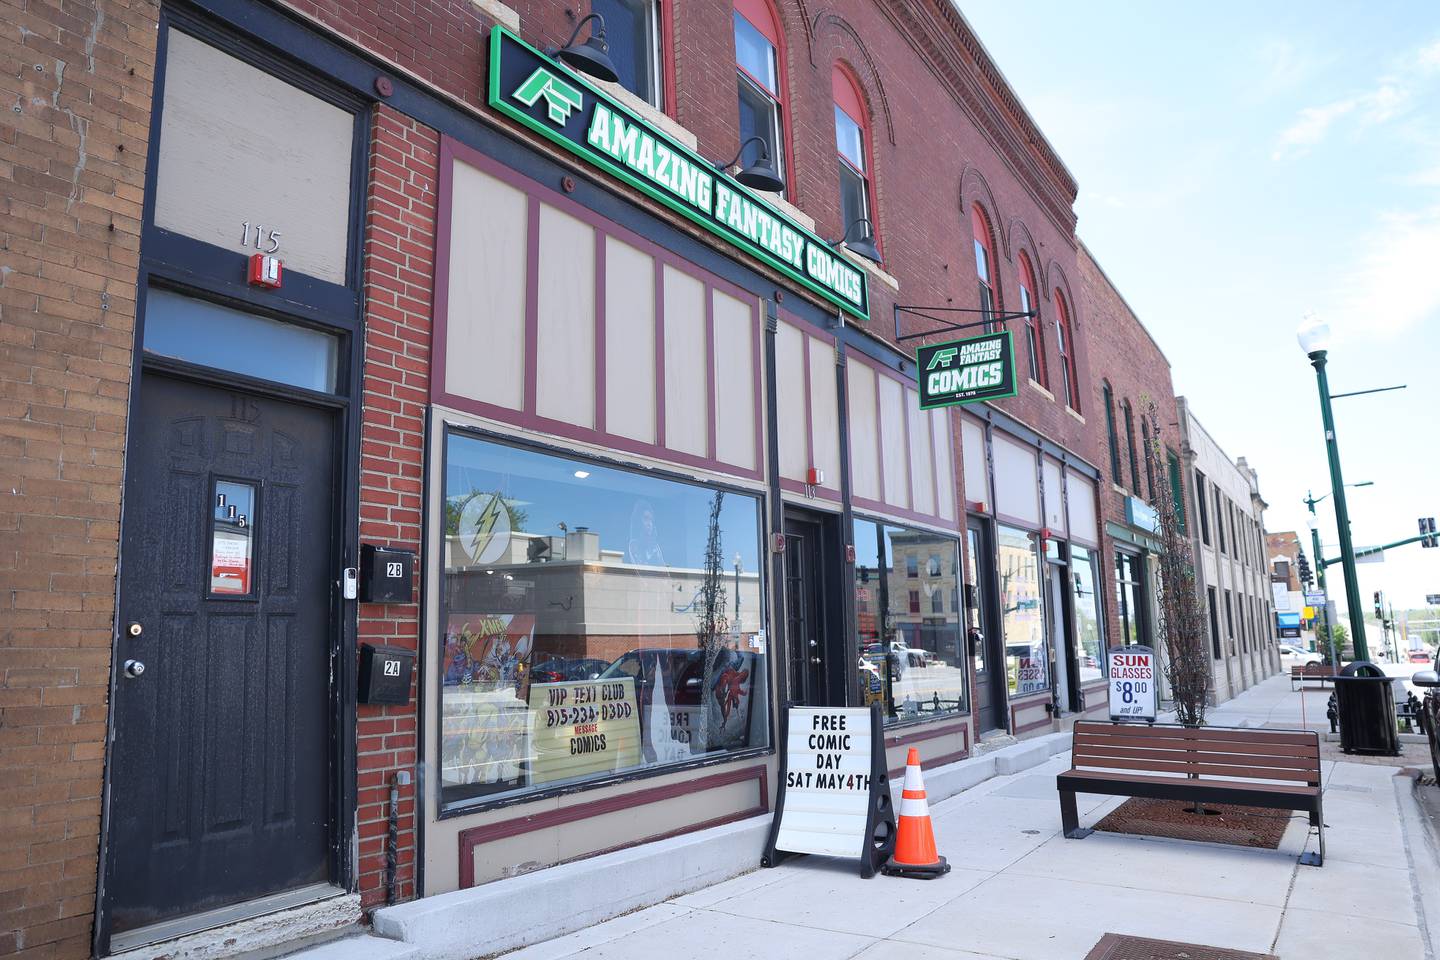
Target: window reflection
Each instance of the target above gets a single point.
(910, 655)
(595, 621)
(1088, 630)
(1027, 662)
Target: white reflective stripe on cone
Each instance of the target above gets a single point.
(914, 808)
(913, 781)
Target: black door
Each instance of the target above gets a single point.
(221, 760)
(805, 610)
(982, 630)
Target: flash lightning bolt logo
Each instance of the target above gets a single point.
(484, 527)
(561, 99)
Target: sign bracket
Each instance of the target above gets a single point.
(992, 318)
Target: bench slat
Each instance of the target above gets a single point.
(1212, 769)
(1195, 733)
(1280, 788)
(1175, 760)
(1237, 747)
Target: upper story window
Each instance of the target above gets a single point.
(1111, 437)
(759, 63)
(632, 28)
(1219, 520)
(852, 143)
(984, 263)
(1034, 333)
(1130, 446)
(1067, 351)
(1201, 508)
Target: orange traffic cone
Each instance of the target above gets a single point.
(915, 853)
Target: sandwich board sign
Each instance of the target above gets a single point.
(1133, 690)
(834, 797)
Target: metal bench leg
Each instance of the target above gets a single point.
(1317, 820)
(1070, 817)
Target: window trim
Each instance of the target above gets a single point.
(1065, 332)
(1112, 435)
(438, 459)
(656, 17)
(765, 18)
(982, 234)
(842, 78)
(1034, 328)
(1129, 412)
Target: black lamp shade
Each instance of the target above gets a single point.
(591, 57)
(761, 176)
(865, 247)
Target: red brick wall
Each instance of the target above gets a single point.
(73, 141)
(399, 267)
(1137, 371)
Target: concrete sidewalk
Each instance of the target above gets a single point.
(1019, 890)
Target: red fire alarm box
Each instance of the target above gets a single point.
(265, 270)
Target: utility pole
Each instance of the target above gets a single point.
(1319, 565)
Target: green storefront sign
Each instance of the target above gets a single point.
(550, 99)
(967, 371)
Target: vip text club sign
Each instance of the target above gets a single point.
(966, 371)
(547, 97)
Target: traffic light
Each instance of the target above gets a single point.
(1379, 605)
(1427, 530)
(1304, 566)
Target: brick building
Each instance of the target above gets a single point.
(639, 443)
(1282, 552)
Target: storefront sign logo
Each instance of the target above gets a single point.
(603, 132)
(967, 371)
(485, 528)
(561, 99)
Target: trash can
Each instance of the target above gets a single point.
(1366, 705)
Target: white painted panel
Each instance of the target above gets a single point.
(1080, 492)
(629, 341)
(922, 467)
(485, 326)
(864, 454)
(1054, 501)
(236, 145)
(790, 401)
(893, 435)
(824, 410)
(1017, 494)
(735, 426)
(565, 336)
(944, 463)
(972, 447)
(686, 354)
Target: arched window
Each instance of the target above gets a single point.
(760, 64)
(1034, 332)
(984, 263)
(1130, 445)
(1109, 397)
(853, 144)
(1067, 351)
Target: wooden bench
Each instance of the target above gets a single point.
(1311, 671)
(1276, 769)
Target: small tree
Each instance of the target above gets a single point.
(1182, 619)
(1322, 640)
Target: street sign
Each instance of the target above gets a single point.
(1133, 690)
(1374, 556)
(1315, 598)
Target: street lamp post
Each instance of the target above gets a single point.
(1314, 339)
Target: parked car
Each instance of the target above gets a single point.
(1300, 654)
(1421, 657)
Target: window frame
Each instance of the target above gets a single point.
(843, 80)
(1108, 395)
(982, 237)
(1129, 412)
(1034, 330)
(762, 16)
(656, 17)
(1064, 333)
(473, 805)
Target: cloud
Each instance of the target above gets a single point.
(1428, 59)
(1393, 286)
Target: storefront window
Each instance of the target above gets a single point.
(595, 621)
(910, 657)
(1130, 597)
(1027, 664)
(1089, 633)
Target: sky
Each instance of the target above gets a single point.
(1241, 165)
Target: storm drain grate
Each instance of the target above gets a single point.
(1118, 946)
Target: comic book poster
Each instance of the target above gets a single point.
(486, 723)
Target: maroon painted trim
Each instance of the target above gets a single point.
(905, 412)
(528, 418)
(932, 763)
(809, 407)
(797, 486)
(668, 99)
(659, 354)
(879, 439)
(440, 291)
(469, 839)
(1034, 726)
(532, 303)
(906, 737)
(805, 326)
(889, 510)
(710, 411)
(934, 460)
(600, 348)
(1029, 526)
(757, 334)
